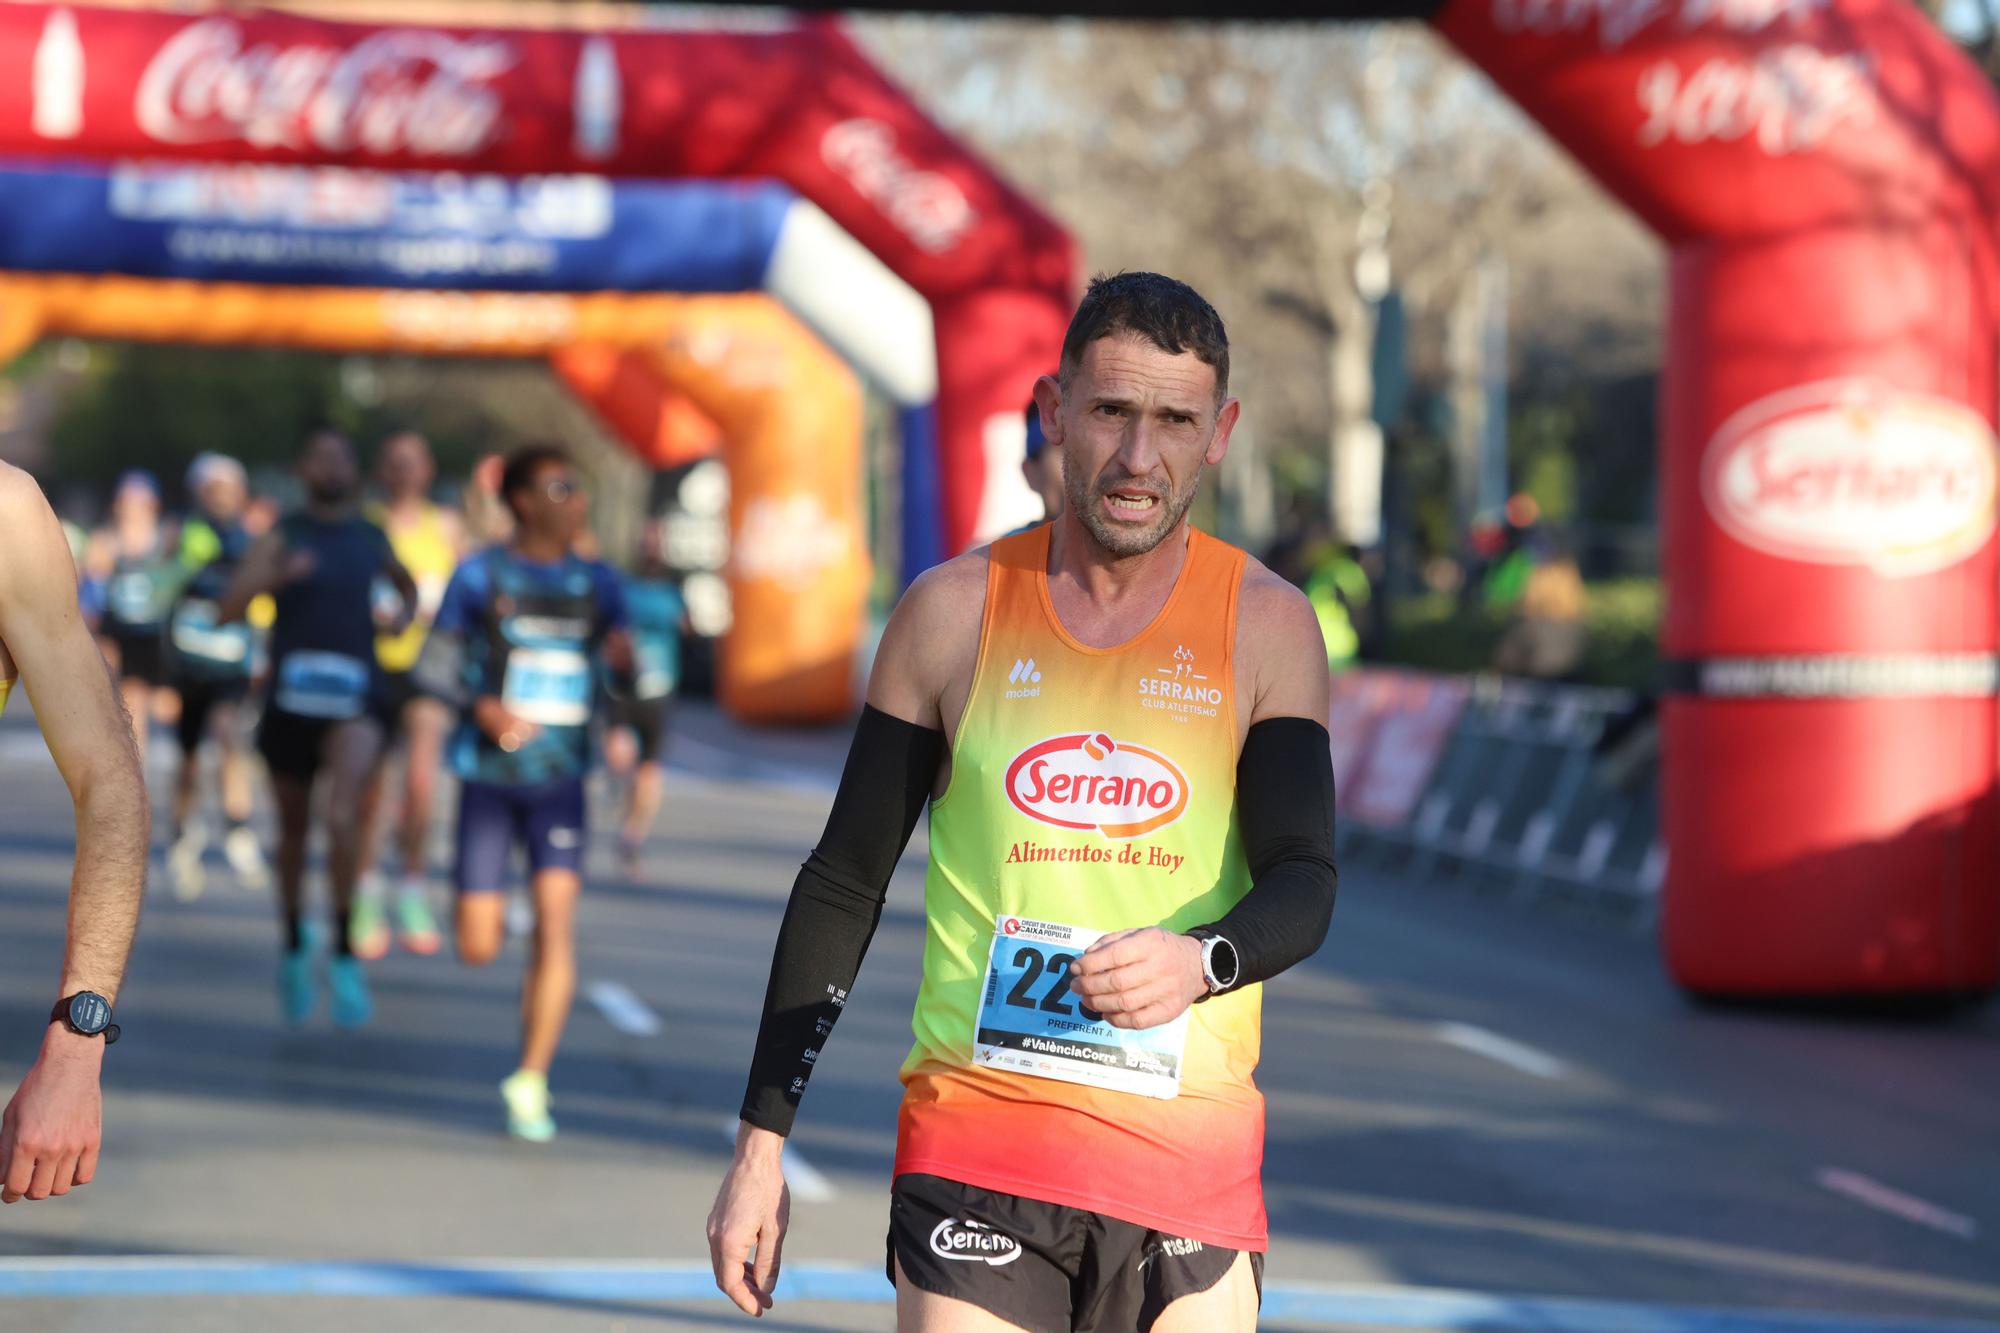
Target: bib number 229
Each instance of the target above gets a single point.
(1030, 1023)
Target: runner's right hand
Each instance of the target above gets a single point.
(503, 728)
(752, 1210)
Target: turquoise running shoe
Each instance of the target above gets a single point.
(298, 993)
(526, 1092)
(352, 1005)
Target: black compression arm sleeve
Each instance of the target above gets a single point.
(836, 902)
(1284, 803)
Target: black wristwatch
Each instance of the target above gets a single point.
(87, 1014)
(1220, 967)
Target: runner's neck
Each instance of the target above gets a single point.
(541, 550)
(1091, 585)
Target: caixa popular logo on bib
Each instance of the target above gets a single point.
(1090, 781)
(1853, 472)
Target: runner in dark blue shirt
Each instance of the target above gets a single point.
(327, 709)
(517, 645)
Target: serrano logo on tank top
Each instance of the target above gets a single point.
(1090, 781)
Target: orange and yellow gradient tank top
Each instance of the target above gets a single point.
(1095, 788)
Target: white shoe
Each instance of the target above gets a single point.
(246, 858)
(184, 869)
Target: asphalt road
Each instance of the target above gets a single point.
(1480, 1117)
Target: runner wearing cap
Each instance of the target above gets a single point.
(212, 664)
(1117, 724)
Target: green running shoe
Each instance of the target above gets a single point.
(526, 1092)
(370, 927)
(298, 992)
(415, 926)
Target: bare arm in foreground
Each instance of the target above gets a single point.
(49, 1133)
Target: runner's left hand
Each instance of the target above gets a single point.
(1139, 978)
(49, 1134)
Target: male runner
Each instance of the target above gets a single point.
(427, 539)
(326, 710)
(640, 700)
(1131, 827)
(516, 646)
(212, 664)
(50, 1132)
(133, 557)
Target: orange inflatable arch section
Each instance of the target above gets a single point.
(786, 411)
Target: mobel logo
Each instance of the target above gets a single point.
(1090, 781)
(1854, 472)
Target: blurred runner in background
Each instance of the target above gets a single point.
(326, 711)
(50, 1131)
(133, 556)
(212, 665)
(427, 539)
(516, 647)
(640, 703)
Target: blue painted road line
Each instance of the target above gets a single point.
(1322, 1305)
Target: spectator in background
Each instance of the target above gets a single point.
(487, 519)
(1042, 466)
(1343, 599)
(1548, 636)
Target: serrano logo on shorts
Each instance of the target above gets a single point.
(975, 1241)
(1089, 781)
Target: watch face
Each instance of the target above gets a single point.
(88, 1012)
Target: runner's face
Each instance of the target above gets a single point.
(327, 469)
(223, 497)
(136, 505)
(552, 505)
(406, 467)
(1138, 426)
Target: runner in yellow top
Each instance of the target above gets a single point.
(50, 1131)
(427, 538)
(1130, 828)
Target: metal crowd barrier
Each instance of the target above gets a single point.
(1552, 790)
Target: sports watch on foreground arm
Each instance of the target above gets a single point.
(87, 1014)
(1220, 967)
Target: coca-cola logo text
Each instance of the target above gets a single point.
(926, 206)
(1851, 472)
(1619, 21)
(396, 91)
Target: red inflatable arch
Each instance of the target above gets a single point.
(1823, 172)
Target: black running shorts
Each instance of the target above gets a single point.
(1045, 1267)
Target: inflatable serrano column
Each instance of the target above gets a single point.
(1821, 172)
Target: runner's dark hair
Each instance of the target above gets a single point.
(519, 471)
(1164, 311)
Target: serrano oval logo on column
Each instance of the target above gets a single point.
(1087, 780)
(1854, 472)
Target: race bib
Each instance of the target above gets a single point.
(550, 687)
(134, 599)
(332, 686)
(196, 635)
(1030, 1023)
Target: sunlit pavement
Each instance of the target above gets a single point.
(1480, 1118)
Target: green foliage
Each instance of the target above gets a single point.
(158, 406)
(1623, 616)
